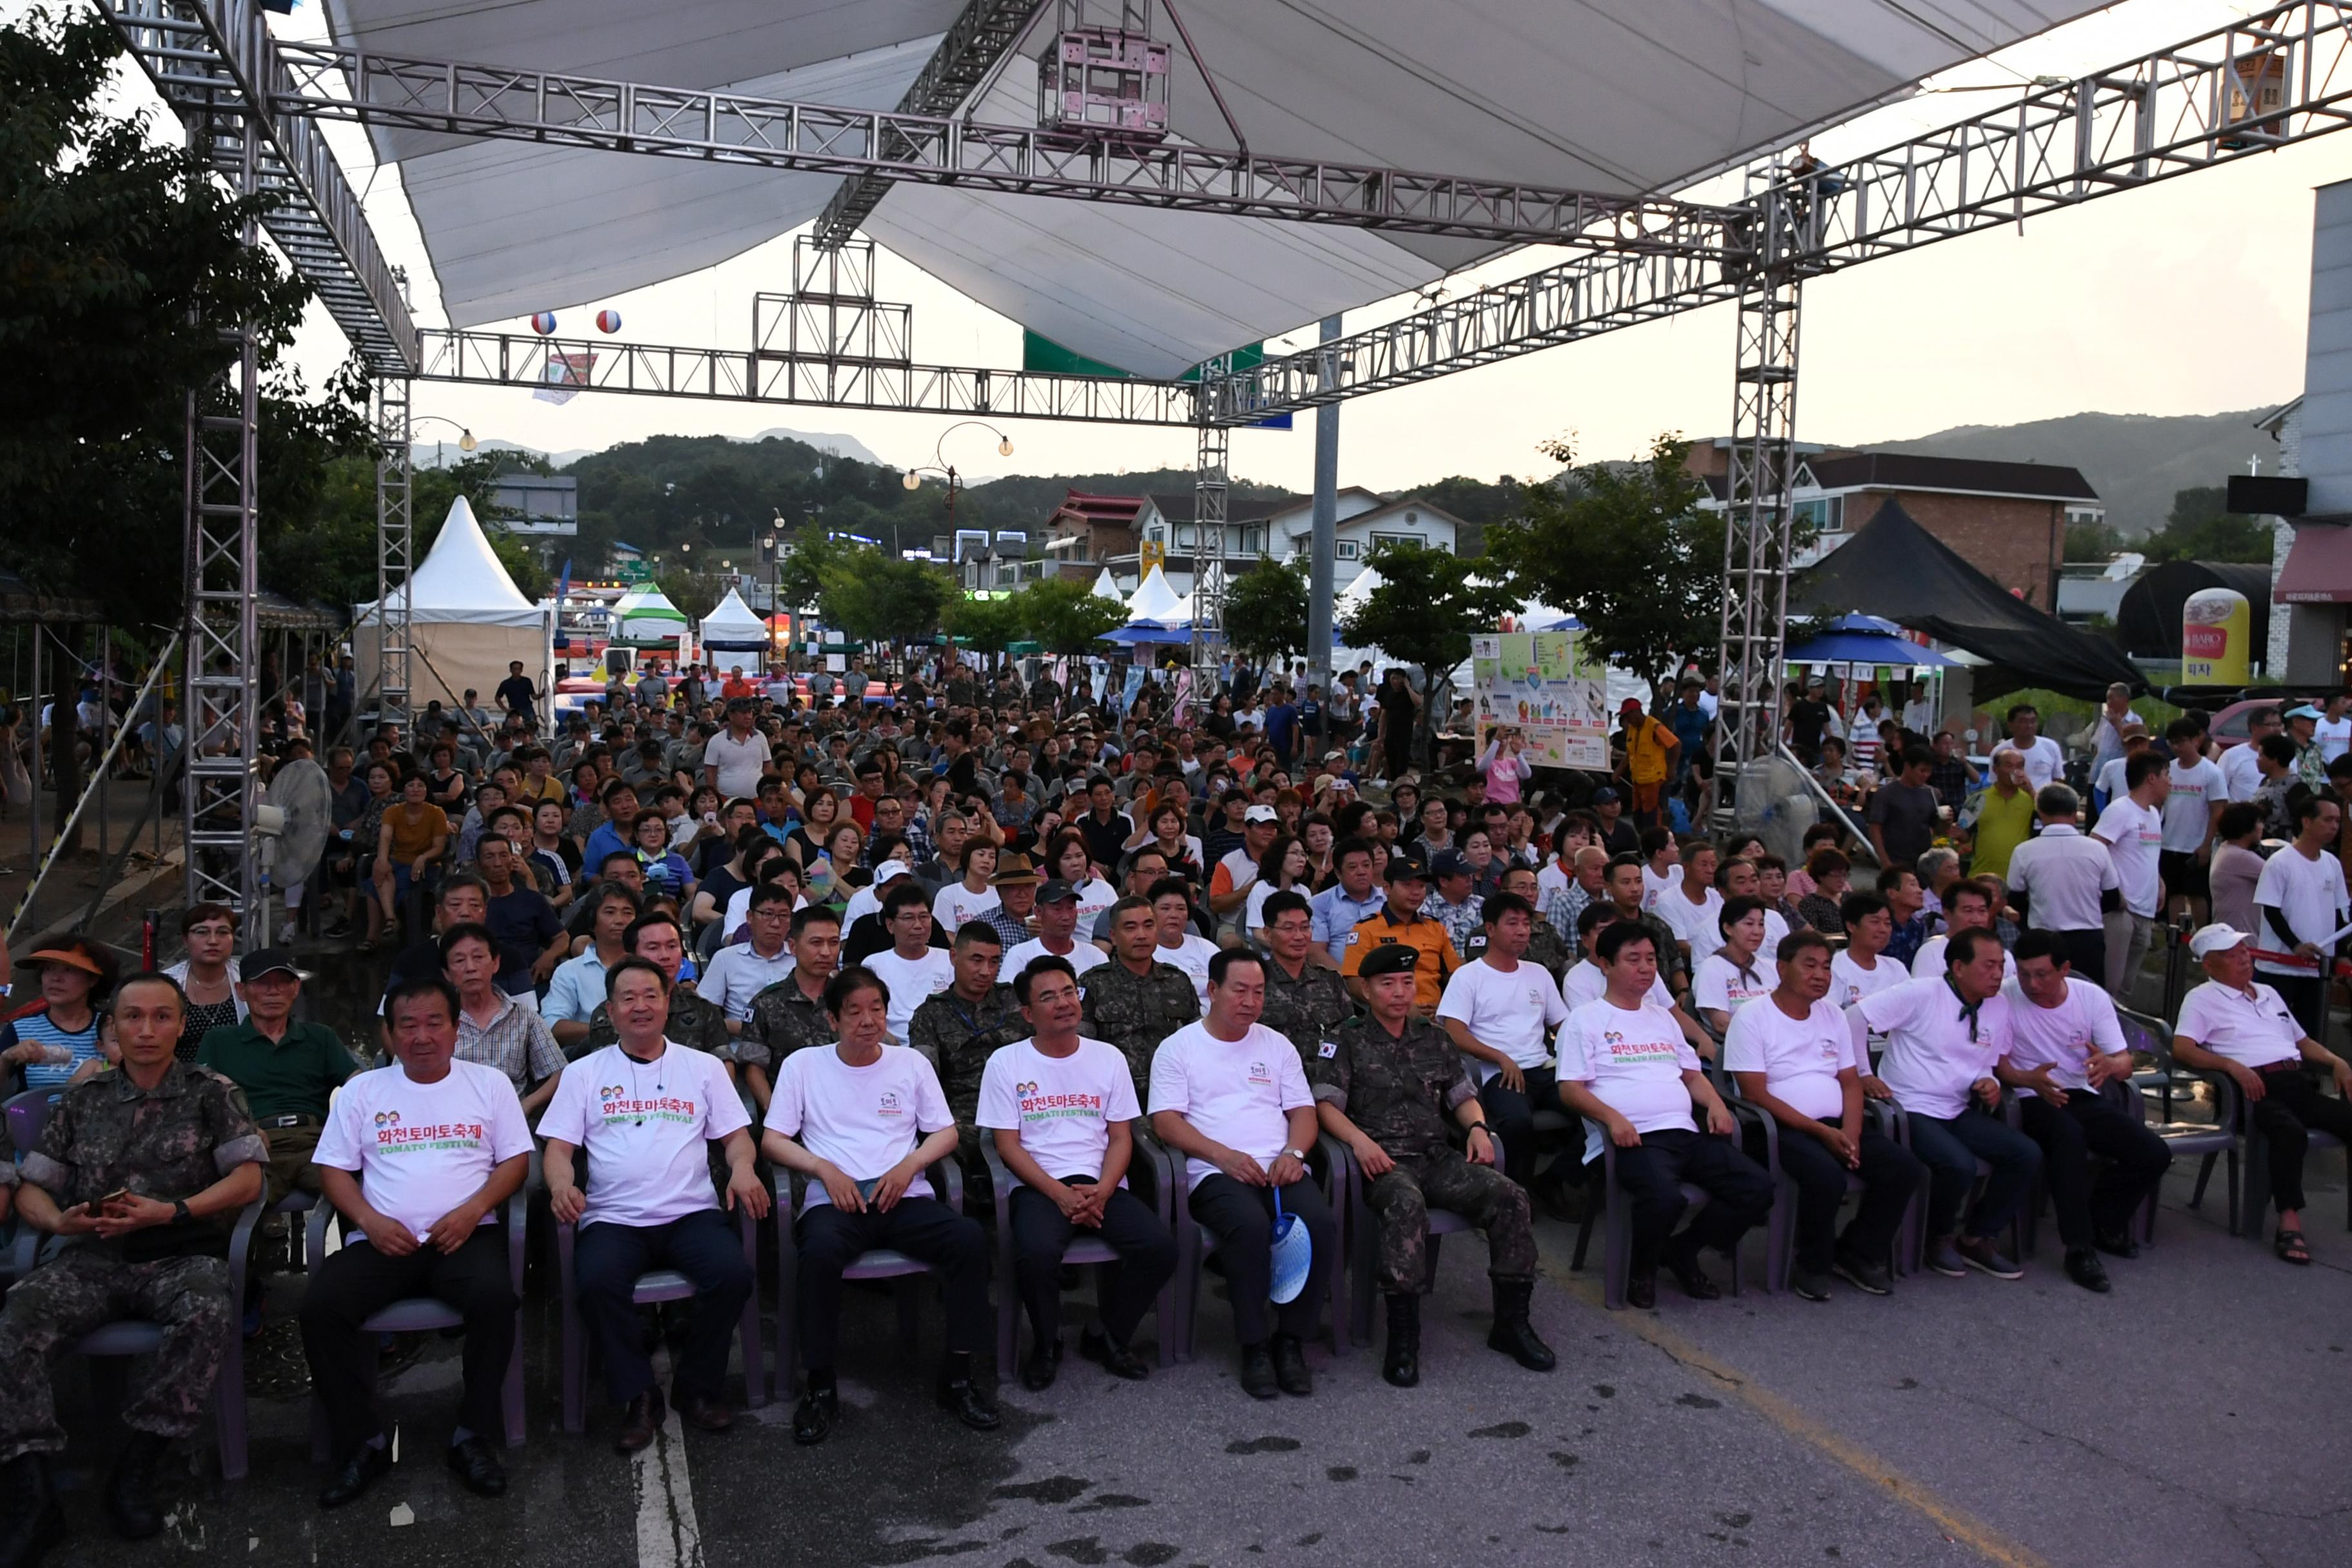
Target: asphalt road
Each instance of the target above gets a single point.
(2195, 1416)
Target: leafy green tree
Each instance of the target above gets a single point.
(696, 593)
(2201, 528)
(1628, 550)
(1265, 612)
(987, 625)
(800, 575)
(877, 598)
(1065, 615)
(1424, 610)
(2092, 542)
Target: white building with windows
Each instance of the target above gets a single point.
(1271, 528)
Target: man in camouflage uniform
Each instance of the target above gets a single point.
(692, 1021)
(139, 1175)
(790, 1015)
(1304, 1001)
(1385, 1085)
(960, 1027)
(1134, 1002)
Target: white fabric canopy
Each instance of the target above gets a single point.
(460, 581)
(733, 628)
(1106, 587)
(647, 615)
(1154, 600)
(1610, 95)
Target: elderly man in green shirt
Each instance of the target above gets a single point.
(286, 1068)
(2001, 817)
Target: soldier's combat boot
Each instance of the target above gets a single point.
(130, 1490)
(30, 1520)
(1402, 1366)
(1512, 1333)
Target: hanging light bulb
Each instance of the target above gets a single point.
(1004, 448)
(912, 481)
(466, 442)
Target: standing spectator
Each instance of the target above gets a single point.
(2301, 902)
(1651, 750)
(2000, 818)
(2066, 884)
(2192, 806)
(2044, 761)
(1904, 814)
(2333, 731)
(2241, 771)
(517, 695)
(1951, 777)
(2237, 867)
(2107, 729)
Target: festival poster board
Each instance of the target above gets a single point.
(1539, 683)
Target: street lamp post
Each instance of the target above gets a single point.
(940, 464)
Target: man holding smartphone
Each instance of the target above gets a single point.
(138, 1174)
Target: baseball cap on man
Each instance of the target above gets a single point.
(1405, 868)
(269, 961)
(2215, 938)
(1260, 813)
(1449, 863)
(1057, 891)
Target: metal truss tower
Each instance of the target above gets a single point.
(395, 556)
(220, 644)
(1757, 515)
(1209, 523)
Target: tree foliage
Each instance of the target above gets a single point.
(1625, 548)
(1424, 610)
(695, 592)
(2200, 527)
(1065, 615)
(875, 598)
(2094, 541)
(112, 245)
(1265, 612)
(987, 625)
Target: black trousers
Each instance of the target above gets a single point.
(707, 1248)
(2291, 1105)
(2307, 997)
(1147, 1257)
(1512, 1114)
(922, 1228)
(359, 1282)
(2089, 1123)
(1891, 1175)
(1242, 1219)
(2087, 951)
(1739, 1191)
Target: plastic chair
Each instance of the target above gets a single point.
(880, 1263)
(1150, 1162)
(1913, 1238)
(654, 1285)
(1360, 1233)
(1195, 1243)
(1781, 1227)
(1617, 1245)
(415, 1314)
(2153, 1037)
(27, 1111)
(2248, 1203)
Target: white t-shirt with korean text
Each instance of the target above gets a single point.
(422, 1149)
(645, 1128)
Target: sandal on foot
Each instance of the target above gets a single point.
(2288, 1245)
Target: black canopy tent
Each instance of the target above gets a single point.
(1896, 569)
(2148, 622)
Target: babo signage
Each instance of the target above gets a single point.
(2216, 637)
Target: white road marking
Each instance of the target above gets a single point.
(667, 1534)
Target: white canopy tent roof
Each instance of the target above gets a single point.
(1613, 96)
(1154, 600)
(646, 615)
(1106, 587)
(733, 628)
(460, 580)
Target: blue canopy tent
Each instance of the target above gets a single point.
(1840, 646)
(1137, 633)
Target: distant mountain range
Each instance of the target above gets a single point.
(2136, 462)
(442, 453)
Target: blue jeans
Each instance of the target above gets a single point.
(1950, 1151)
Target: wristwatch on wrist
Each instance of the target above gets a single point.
(180, 1215)
(1297, 1155)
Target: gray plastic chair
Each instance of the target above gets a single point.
(1617, 1242)
(1913, 1238)
(1781, 1227)
(881, 1263)
(654, 1285)
(2153, 1037)
(1359, 1232)
(1149, 1169)
(416, 1314)
(1195, 1243)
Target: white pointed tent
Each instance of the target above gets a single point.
(646, 619)
(467, 622)
(1155, 601)
(1106, 587)
(733, 628)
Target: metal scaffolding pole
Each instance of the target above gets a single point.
(1208, 562)
(1757, 521)
(1320, 574)
(394, 552)
(223, 734)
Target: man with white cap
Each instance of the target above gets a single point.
(1236, 873)
(2237, 1026)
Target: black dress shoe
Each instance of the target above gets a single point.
(1642, 1288)
(130, 1490)
(2118, 1243)
(477, 1467)
(1683, 1263)
(1040, 1366)
(1257, 1372)
(360, 1471)
(1290, 1374)
(641, 1422)
(706, 1414)
(1114, 1359)
(971, 1406)
(2084, 1267)
(812, 1418)
(33, 1523)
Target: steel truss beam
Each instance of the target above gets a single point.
(395, 553)
(978, 36)
(2169, 112)
(220, 731)
(738, 375)
(1208, 560)
(504, 103)
(209, 56)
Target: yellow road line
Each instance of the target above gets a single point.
(1960, 1526)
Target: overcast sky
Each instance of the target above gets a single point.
(2186, 298)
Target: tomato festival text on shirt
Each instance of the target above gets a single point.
(1035, 1107)
(391, 1135)
(1624, 1050)
(618, 1103)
